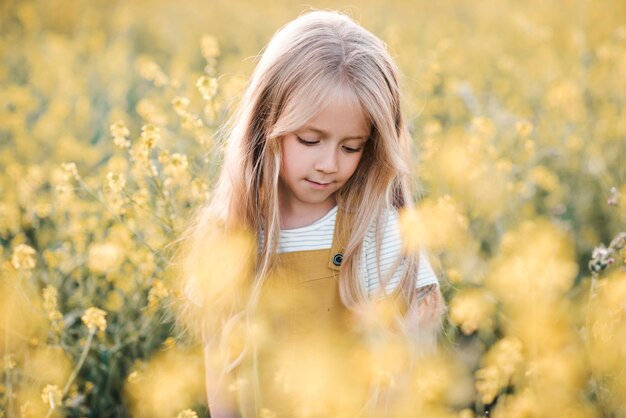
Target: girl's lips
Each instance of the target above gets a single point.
(317, 185)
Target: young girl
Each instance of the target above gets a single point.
(316, 169)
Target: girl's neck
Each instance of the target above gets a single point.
(299, 215)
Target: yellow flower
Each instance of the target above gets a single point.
(158, 291)
(267, 413)
(483, 126)
(150, 112)
(151, 71)
(435, 225)
(116, 182)
(207, 86)
(187, 413)
(94, 318)
(210, 47)
(180, 105)
(50, 298)
(150, 134)
(466, 413)
(9, 361)
(104, 257)
(488, 384)
(23, 257)
(169, 343)
(52, 396)
(471, 309)
(133, 376)
(501, 362)
(524, 128)
(192, 122)
(70, 171)
(120, 133)
(114, 301)
(544, 178)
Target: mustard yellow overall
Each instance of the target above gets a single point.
(307, 358)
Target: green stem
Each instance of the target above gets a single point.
(79, 365)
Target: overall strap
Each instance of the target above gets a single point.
(340, 239)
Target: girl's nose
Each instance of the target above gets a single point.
(327, 162)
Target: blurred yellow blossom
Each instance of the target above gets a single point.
(120, 133)
(94, 319)
(488, 383)
(151, 71)
(472, 309)
(115, 182)
(50, 294)
(180, 105)
(524, 128)
(52, 396)
(50, 364)
(434, 225)
(501, 362)
(534, 263)
(158, 291)
(209, 46)
(483, 126)
(150, 134)
(544, 178)
(187, 413)
(267, 413)
(170, 382)
(150, 112)
(9, 361)
(192, 122)
(71, 171)
(114, 301)
(207, 87)
(104, 257)
(23, 257)
(169, 343)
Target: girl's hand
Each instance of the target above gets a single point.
(423, 319)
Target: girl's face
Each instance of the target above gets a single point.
(320, 157)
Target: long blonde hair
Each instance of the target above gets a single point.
(308, 61)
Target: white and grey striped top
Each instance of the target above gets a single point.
(319, 236)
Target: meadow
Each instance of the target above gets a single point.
(109, 114)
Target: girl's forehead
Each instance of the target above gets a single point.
(339, 97)
(340, 116)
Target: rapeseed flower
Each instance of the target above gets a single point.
(472, 309)
(120, 133)
(94, 319)
(23, 257)
(210, 46)
(207, 87)
(187, 413)
(52, 396)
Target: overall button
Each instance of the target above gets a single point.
(337, 259)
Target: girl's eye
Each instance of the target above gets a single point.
(351, 150)
(306, 142)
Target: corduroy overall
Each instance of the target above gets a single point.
(306, 353)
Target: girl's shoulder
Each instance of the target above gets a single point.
(387, 227)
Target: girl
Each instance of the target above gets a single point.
(316, 169)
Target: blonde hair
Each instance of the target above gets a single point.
(309, 61)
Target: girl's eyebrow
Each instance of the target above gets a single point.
(326, 134)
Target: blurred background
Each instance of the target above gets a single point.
(108, 116)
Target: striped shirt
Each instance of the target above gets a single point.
(319, 236)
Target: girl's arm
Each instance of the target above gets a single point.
(222, 401)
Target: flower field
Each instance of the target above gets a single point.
(109, 138)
